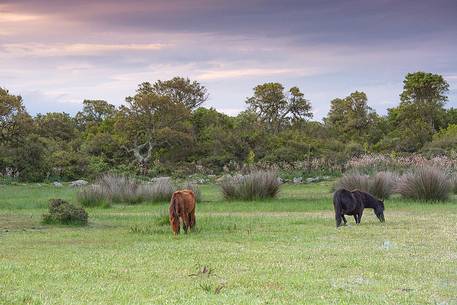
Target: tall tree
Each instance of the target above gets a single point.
(351, 117)
(15, 122)
(277, 108)
(179, 90)
(150, 121)
(425, 93)
(94, 112)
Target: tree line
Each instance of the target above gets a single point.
(163, 129)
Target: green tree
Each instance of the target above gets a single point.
(277, 108)
(151, 122)
(351, 118)
(58, 126)
(179, 90)
(425, 93)
(94, 112)
(15, 122)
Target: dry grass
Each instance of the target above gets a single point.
(426, 184)
(254, 186)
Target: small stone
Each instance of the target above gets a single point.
(57, 184)
(78, 183)
(387, 245)
(298, 180)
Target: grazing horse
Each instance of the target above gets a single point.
(182, 205)
(352, 203)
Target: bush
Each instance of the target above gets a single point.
(382, 184)
(425, 183)
(354, 181)
(257, 185)
(62, 212)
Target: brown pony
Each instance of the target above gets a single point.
(182, 205)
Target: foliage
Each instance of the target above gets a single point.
(254, 186)
(62, 212)
(276, 108)
(425, 183)
(351, 118)
(163, 130)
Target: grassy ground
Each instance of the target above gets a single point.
(283, 251)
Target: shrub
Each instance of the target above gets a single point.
(257, 185)
(354, 181)
(425, 183)
(382, 184)
(62, 212)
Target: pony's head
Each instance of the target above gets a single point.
(379, 210)
(174, 222)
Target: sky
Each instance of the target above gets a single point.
(55, 53)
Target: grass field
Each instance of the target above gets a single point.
(283, 251)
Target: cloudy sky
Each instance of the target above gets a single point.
(57, 53)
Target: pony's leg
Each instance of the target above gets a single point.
(355, 218)
(338, 219)
(359, 216)
(192, 219)
(344, 219)
(185, 222)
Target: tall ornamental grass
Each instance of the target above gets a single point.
(426, 184)
(253, 186)
(381, 185)
(111, 188)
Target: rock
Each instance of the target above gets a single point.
(57, 184)
(160, 179)
(280, 181)
(298, 180)
(313, 179)
(78, 183)
(387, 245)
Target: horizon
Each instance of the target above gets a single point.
(56, 55)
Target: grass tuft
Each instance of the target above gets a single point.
(425, 184)
(254, 186)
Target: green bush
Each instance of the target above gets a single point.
(254, 186)
(425, 183)
(62, 212)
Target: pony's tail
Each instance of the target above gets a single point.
(337, 207)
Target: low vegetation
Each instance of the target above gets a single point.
(253, 186)
(62, 212)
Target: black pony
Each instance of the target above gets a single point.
(352, 203)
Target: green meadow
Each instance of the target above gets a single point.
(281, 251)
